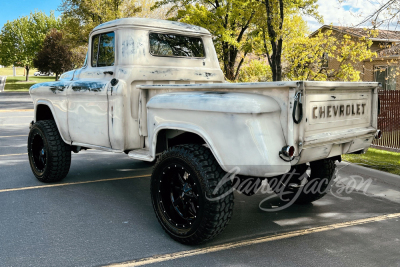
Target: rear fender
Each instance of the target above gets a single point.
(243, 131)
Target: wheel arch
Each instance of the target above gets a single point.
(44, 110)
(166, 136)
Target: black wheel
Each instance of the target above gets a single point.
(49, 156)
(182, 192)
(312, 180)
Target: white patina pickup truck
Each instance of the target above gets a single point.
(154, 90)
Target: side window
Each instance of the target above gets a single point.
(391, 79)
(95, 50)
(103, 50)
(387, 76)
(171, 45)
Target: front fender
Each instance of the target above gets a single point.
(242, 130)
(53, 95)
(60, 117)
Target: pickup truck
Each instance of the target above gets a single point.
(154, 90)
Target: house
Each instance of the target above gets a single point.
(384, 68)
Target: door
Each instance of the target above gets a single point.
(87, 96)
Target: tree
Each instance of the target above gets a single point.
(255, 71)
(143, 9)
(79, 17)
(22, 38)
(239, 25)
(271, 26)
(260, 70)
(55, 55)
(229, 21)
(78, 56)
(305, 57)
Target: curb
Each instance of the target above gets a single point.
(385, 177)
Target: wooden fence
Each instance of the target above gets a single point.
(389, 120)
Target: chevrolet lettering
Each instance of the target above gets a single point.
(338, 110)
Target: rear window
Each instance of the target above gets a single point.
(171, 45)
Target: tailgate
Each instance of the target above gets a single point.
(339, 114)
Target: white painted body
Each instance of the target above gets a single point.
(245, 125)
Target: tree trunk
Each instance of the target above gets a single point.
(274, 58)
(229, 74)
(27, 72)
(230, 55)
(56, 76)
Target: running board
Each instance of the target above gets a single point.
(141, 154)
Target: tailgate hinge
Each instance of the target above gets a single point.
(298, 102)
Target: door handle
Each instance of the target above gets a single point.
(108, 72)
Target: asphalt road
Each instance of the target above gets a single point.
(92, 219)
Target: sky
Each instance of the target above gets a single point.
(12, 9)
(348, 13)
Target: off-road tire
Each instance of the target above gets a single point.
(57, 154)
(321, 170)
(213, 213)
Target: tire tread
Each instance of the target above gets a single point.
(217, 213)
(59, 159)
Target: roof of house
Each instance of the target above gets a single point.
(382, 35)
(387, 52)
(153, 23)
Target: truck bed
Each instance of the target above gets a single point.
(338, 117)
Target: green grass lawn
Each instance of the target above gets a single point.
(18, 83)
(377, 159)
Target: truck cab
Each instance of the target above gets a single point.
(130, 52)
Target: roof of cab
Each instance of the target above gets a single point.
(153, 23)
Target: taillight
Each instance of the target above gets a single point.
(288, 151)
